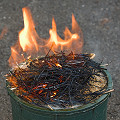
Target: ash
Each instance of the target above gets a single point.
(58, 81)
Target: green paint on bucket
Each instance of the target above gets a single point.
(22, 110)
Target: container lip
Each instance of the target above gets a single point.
(83, 108)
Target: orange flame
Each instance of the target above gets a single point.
(28, 35)
(69, 37)
(15, 57)
(58, 65)
(28, 39)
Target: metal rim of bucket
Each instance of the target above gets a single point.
(83, 108)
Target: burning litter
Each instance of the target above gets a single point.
(63, 77)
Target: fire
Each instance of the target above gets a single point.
(54, 38)
(58, 65)
(70, 37)
(28, 35)
(29, 39)
(15, 57)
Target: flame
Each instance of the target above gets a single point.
(54, 93)
(15, 57)
(28, 40)
(28, 35)
(69, 37)
(27, 46)
(58, 65)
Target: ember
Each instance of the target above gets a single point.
(58, 80)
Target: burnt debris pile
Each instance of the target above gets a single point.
(58, 80)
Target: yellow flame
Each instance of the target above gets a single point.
(28, 39)
(27, 36)
(58, 65)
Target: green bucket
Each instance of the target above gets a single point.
(22, 110)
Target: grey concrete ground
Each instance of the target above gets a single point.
(100, 23)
